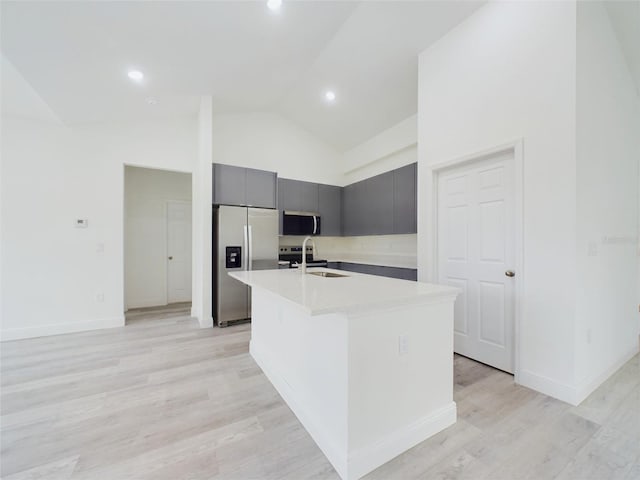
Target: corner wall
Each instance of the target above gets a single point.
(508, 73)
(608, 152)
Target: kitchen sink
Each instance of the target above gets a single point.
(328, 274)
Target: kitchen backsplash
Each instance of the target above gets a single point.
(344, 248)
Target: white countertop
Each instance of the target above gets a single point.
(353, 293)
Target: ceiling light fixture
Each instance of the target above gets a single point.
(330, 96)
(274, 4)
(136, 75)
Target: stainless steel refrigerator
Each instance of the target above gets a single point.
(243, 239)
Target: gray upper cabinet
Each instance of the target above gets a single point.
(229, 185)
(243, 186)
(378, 207)
(353, 206)
(298, 196)
(261, 188)
(330, 210)
(381, 205)
(404, 199)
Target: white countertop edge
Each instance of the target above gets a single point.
(443, 294)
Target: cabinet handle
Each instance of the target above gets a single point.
(510, 273)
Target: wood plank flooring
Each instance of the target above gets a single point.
(164, 399)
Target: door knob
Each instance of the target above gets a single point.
(510, 273)
(171, 258)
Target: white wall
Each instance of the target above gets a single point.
(508, 73)
(147, 192)
(268, 141)
(390, 149)
(608, 152)
(202, 238)
(52, 273)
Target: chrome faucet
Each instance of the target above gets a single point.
(303, 267)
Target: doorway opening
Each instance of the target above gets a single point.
(477, 238)
(157, 243)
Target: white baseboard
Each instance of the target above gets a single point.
(367, 459)
(326, 443)
(587, 386)
(60, 328)
(147, 302)
(351, 466)
(208, 322)
(547, 385)
(572, 394)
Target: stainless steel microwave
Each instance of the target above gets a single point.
(300, 223)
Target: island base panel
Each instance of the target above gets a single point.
(343, 376)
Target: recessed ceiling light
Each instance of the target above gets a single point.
(330, 96)
(274, 4)
(135, 75)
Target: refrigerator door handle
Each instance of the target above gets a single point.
(245, 247)
(250, 252)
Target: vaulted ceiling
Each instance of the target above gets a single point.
(76, 56)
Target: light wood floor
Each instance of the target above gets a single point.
(164, 399)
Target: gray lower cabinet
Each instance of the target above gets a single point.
(243, 186)
(405, 213)
(380, 270)
(330, 210)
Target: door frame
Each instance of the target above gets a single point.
(517, 147)
(166, 245)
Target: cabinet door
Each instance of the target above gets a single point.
(330, 210)
(404, 199)
(261, 188)
(229, 185)
(281, 188)
(299, 196)
(378, 205)
(353, 206)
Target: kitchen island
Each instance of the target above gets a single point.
(365, 362)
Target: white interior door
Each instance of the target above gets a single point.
(178, 251)
(476, 254)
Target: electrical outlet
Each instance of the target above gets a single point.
(403, 345)
(100, 297)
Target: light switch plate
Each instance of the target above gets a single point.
(403, 345)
